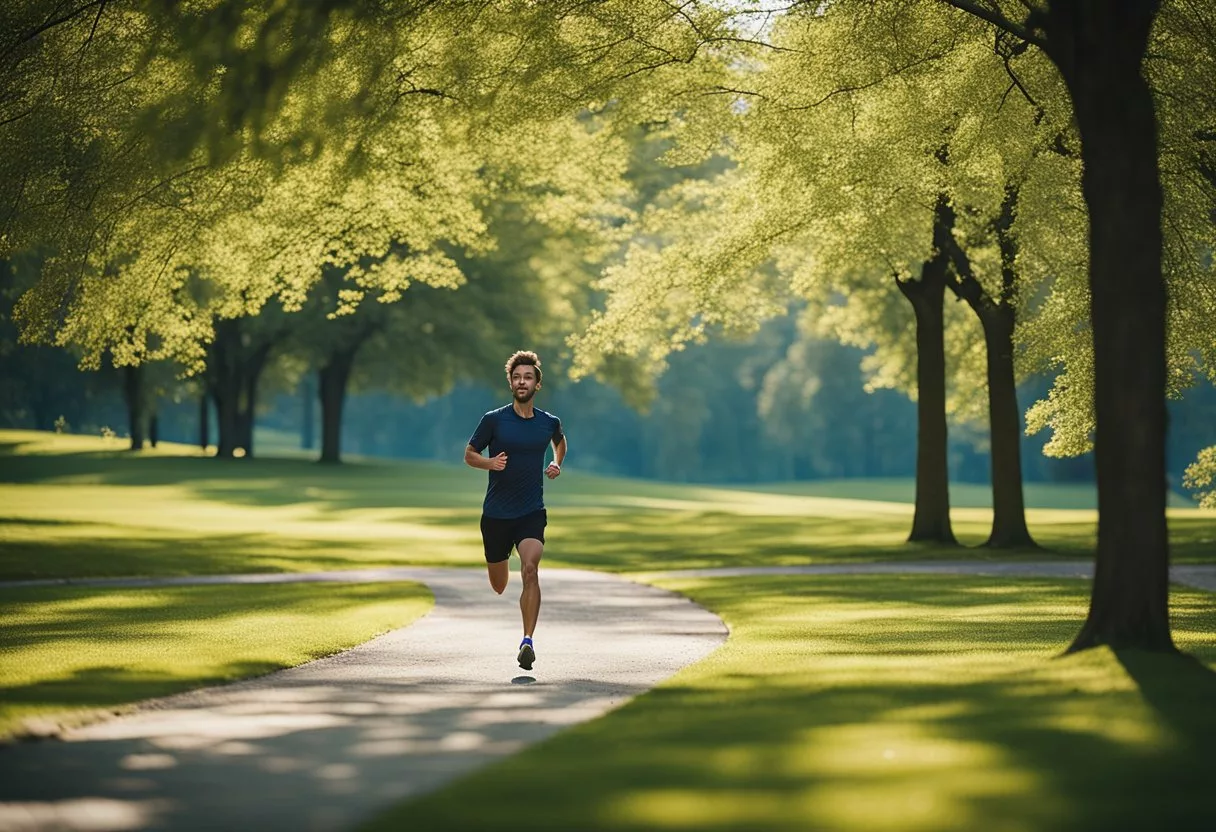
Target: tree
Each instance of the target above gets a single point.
(843, 190)
(1099, 49)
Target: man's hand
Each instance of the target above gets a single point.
(553, 470)
(497, 463)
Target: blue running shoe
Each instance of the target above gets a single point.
(527, 654)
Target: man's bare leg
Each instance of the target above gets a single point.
(530, 550)
(499, 573)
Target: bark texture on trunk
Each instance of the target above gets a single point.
(235, 366)
(133, 394)
(931, 520)
(334, 378)
(1099, 46)
(204, 421)
(308, 429)
(998, 317)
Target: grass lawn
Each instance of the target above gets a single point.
(73, 506)
(68, 652)
(880, 702)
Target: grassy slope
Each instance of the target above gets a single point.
(75, 506)
(66, 652)
(879, 702)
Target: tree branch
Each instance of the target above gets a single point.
(998, 20)
(49, 24)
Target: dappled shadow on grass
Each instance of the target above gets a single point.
(66, 647)
(868, 702)
(106, 687)
(596, 523)
(81, 550)
(258, 482)
(651, 540)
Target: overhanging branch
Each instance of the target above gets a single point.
(994, 16)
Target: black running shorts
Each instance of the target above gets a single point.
(498, 536)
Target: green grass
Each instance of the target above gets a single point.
(73, 506)
(67, 653)
(962, 495)
(880, 702)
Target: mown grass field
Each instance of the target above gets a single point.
(879, 702)
(80, 506)
(71, 653)
(841, 702)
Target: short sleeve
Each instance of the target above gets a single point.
(558, 436)
(484, 433)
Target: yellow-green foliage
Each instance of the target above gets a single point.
(373, 140)
(835, 127)
(1200, 476)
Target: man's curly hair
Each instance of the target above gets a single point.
(523, 357)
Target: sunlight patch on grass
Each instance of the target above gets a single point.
(880, 702)
(83, 510)
(78, 649)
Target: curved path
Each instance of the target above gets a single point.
(327, 744)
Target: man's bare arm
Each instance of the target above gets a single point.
(476, 460)
(554, 468)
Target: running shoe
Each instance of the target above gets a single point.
(526, 656)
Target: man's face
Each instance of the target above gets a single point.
(523, 383)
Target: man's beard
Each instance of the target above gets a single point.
(524, 397)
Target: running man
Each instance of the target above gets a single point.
(513, 514)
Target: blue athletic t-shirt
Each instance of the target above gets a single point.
(517, 489)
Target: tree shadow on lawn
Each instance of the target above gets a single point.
(84, 647)
(123, 552)
(597, 528)
(96, 616)
(76, 698)
(257, 482)
(925, 722)
(1182, 691)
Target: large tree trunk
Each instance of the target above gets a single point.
(1099, 47)
(133, 393)
(223, 382)
(247, 411)
(233, 371)
(226, 420)
(334, 376)
(931, 520)
(998, 317)
(1008, 503)
(307, 423)
(204, 421)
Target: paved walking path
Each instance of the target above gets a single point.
(328, 744)
(325, 745)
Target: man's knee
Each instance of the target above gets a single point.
(529, 572)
